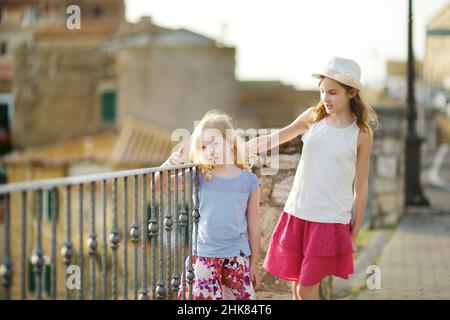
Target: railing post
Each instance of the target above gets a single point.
(67, 249)
(183, 220)
(168, 225)
(193, 219)
(125, 239)
(153, 232)
(38, 258)
(81, 244)
(135, 234)
(144, 291)
(54, 208)
(160, 291)
(6, 270)
(23, 244)
(92, 244)
(114, 240)
(176, 275)
(104, 241)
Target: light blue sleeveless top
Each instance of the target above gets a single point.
(222, 228)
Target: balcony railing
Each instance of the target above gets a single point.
(58, 245)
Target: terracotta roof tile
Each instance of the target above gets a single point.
(137, 143)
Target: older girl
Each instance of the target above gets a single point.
(315, 235)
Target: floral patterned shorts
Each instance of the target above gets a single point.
(221, 279)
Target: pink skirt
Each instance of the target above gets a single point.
(307, 251)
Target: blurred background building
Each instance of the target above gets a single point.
(114, 90)
(64, 90)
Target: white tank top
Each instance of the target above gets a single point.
(323, 185)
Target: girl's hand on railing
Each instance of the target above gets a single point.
(176, 158)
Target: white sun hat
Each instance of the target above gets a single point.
(343, 70)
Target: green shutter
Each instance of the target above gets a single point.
(48, 201)
(46, 279)
(49, 195)
(108, 105)
(31, 278)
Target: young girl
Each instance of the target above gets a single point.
(226, 261)
(314, 236)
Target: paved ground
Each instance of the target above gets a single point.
(415, 264)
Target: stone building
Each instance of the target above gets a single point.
(172, 77)
(30, 33)
(437, 51)
(396, 82)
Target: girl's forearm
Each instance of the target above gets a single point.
(254, 240)
(158, 176)
(263, 143)
(157, 180)
(360, 202)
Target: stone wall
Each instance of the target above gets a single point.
(274, 192)
(386, 180)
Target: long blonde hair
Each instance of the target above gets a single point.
(365, 115)
(222, 122)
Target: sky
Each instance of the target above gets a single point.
(287, 40)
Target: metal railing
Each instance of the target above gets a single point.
(89, 257)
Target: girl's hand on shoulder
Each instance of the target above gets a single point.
(176, 158)
(255, 276)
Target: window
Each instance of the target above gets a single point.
(29, 16)
(46, 277)
(5, 132)
(47, 196)
(50, 195)
(97, 12)
(4, 121)
(2, 210)
(3, 48)
(108, 106)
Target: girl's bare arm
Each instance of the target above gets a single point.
(361, 180)
(254, 224)
(267, 142)
(175, 159)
